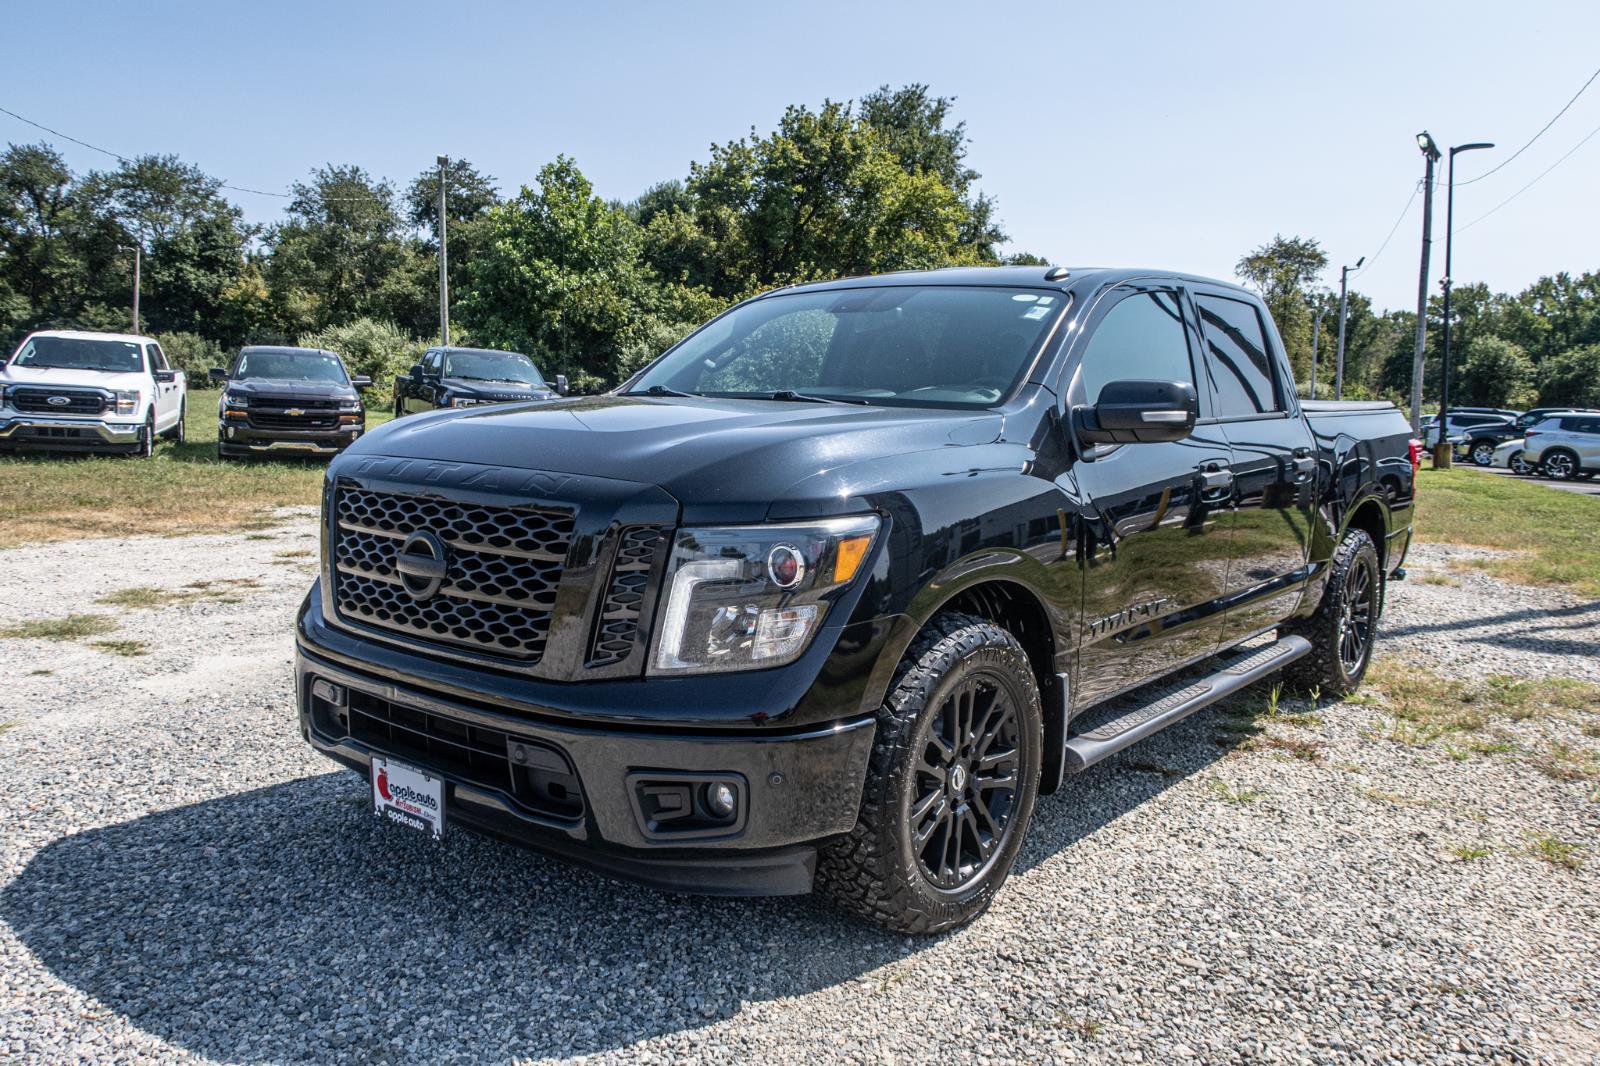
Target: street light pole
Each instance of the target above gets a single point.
(1316, 335)
(1430, 152)
(444, 257)
(1338, 369)
(1442, 450)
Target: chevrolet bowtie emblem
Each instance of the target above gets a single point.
(295, 411)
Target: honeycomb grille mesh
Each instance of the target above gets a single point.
(503, 568)
(618, 627)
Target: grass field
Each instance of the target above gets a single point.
(183, 489)
(1556, 534)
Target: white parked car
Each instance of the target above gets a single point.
(68, 390)
(1509, 456)
(1565, 446)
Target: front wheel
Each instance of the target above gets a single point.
(1345, 624)
(147, 439)
(951, 783)
(1483, 453)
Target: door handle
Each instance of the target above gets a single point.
(1216, 479)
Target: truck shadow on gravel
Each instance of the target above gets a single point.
(284, 924)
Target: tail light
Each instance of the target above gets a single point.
(1414, 447)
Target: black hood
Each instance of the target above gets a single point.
(712, 453)
(497, 390)
(275, 388)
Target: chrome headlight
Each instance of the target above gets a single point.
(127, 402)
(747, 597)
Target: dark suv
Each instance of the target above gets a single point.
(296, 400)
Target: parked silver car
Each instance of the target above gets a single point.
(1510, 456)
(1565, 446)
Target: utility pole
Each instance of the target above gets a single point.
(1316, 335)
(1442, 450)
(1430, 152)
(1338, 369)
(444, 261)
(136, 257)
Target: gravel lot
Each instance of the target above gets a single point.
(182, 880)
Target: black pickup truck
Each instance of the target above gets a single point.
(297, 400)
(827, 595)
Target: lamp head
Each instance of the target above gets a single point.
(1473, 147)
(1425, 142)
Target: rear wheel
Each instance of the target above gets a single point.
(1483, 452)
(951, 784)
(178, 434)
(1345, 624)
(1560, 465)
(1519, 465)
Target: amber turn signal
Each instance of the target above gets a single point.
(852, 550)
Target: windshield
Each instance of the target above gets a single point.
(900, 345)
(492, 366)
(76, 353)
(291, 366)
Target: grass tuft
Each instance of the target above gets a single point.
(1555, 852)
(1229, 794)
(144, 596)
(1471, 852)
(127, 648)
(72, 627)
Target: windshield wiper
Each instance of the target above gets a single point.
(806, 397)
(662, 390)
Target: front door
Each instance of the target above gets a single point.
(1274, 464)
(1154, 543)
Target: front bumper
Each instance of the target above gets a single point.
(43, 431)
(795, 789)
(239, 438)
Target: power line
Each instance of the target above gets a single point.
(125, 159)
(1404, 211)
(1536, 136)
(1530, 184)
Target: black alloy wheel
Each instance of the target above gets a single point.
(966, 784)
(1344, 626)
(1358, 613)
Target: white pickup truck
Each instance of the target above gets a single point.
(67, 390)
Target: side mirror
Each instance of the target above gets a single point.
(217, 374)
(165, 376)
(416, 371)
(1134, 412)
(361, 381)
(561, 385)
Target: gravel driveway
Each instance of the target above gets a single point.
(182, 879)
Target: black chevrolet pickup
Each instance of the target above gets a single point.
(297, 400)
(830, 593)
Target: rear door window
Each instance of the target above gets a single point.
(1237, 356)
(158, 358)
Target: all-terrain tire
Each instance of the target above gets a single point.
(875, 871)
(1328, 669)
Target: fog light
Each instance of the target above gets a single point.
(720, 799)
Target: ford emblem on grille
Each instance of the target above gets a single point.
(58, 401)
(422, 565)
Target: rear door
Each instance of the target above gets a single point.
(1155, 556)
(1274, 464)
(169, 395)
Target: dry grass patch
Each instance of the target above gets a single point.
(129, 649)
(72, 627)
(1424, 707)
(147, 597)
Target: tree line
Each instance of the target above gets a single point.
(594, 288)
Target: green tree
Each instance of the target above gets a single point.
(1494, 373)
(41, 271)
(342, 255)
(560, 277)
(381, 350)
(1573, 377)
(1282, 271)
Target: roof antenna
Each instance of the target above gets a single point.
(1057, 274)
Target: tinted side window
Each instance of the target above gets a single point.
(158, 358)
(1141, 337)
(1241, 365)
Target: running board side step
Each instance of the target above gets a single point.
(1174, 704)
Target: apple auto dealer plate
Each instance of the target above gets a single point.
(407, 796)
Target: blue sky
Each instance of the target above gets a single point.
(1163, 134)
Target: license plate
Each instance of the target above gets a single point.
(407, 796)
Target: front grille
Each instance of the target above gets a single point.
(536, 773)
(617, 629)
(314, 414)
(503, 567)
(79, 401)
